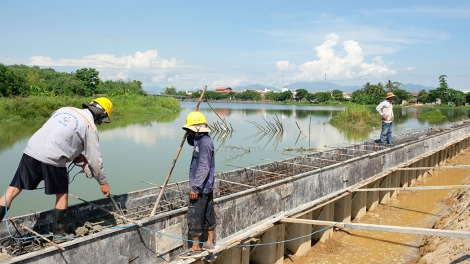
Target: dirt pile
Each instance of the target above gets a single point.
(438, 209)
(447, 249)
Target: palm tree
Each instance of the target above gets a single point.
(367, 88)
(380, 88)
(389, 86)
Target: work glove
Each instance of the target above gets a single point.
(105, 189)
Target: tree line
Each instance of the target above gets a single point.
(369, 94)
(23, 80)
(374, 93)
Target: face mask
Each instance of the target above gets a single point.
(190, 138)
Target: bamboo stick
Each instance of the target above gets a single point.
(37, 234)
(161, 186)
(106, 210)
(256, 170)
(382, 228)
(419, 188)
(117, 207)
(292, 163)
(438, 167)
(154, 210)
(237, 183)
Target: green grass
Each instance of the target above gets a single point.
(20, 117)
(356, 116)
(125, 106)
(431, 115)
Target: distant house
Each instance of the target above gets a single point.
(414, 98)
(347, 95)
(266, 90)
(285, 89)
(224, 89)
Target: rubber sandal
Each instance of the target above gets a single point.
(190, 254)
(209, 248)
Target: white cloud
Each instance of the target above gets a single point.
(168, 63)
(158, 78)
(147, 65)
(285, 66)
(140, 60)
(138, 134)
(350, 66)
(229, 81)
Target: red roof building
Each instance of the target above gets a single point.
(224, 89)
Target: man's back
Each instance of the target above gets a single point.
(62, 137)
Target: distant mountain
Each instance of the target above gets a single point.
(320, 87)
(254, 87)
(415, 87)
(153, 89)
(309, 86)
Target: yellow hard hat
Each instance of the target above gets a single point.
(196, 121)
(107, 106)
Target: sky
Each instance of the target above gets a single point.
(190, 44)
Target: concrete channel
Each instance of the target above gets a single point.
(261, 210)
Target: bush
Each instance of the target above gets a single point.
(358, 116)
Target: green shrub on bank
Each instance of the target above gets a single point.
(431, 115)
(357, 116)
(125, 106)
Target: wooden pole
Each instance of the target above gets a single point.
(382, 228)
(106, 210)
(154, 210)
(438, 167)
(37, 234)
(117, 207)
(420, 188)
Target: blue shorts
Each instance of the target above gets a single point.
(31, 172)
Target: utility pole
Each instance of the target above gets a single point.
(325, 82)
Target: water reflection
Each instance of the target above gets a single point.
(143, 148)
(354, 134)
(12, 132)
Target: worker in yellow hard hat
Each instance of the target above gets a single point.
(67, 133)
(201, 213)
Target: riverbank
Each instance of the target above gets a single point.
(410, 208)
(329, 103)
(125, 106)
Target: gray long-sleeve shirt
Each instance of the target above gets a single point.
(201, 171)
(68, 133)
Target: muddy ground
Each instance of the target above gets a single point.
(452, 213)
(446, 249)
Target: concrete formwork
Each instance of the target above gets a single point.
(292, 187)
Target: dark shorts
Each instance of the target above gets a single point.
(31, 172)
(201, 214)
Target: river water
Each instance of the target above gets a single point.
(135, 153)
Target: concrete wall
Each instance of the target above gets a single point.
(234, 212)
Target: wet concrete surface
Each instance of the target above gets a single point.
(411, 209)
